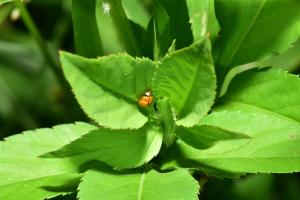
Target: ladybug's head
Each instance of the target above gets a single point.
(148, 94)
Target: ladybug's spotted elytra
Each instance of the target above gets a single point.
(146, 99)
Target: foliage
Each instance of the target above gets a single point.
(213, 107)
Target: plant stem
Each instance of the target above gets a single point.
(41, 42)
(167, 120)
(124, 28)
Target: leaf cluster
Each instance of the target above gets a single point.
(211, 111)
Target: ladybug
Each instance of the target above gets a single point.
(146, 99)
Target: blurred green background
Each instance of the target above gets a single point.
(31, 96)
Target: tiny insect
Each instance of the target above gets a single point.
(106, 8)
(146, 99)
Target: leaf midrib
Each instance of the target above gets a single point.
(128, 99)
(141, 187)
(235, 50)
(191, 86)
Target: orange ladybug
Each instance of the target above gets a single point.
(146, 99)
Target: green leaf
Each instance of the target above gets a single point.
(272, 91)
(136, 12)
(41, 188)
(119, 73)
(103, 87)
(16, 171)
(179, 26)
(263, 105)
(5, 12)
(117, 148)
(253, 30)
(22, 171)
(175, 185)
(109, 34)
(4, 1)
(40, 141)
(187, 79)
(115, 10)
(203, 18)
(161, 31)
(21, 52)
(288, 60)
(86, 35)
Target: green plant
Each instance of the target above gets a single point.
(215, 110)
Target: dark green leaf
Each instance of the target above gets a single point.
(86, 35)
(161, 31)
(203, 136)
(180, 28)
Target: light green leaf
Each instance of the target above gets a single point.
(114, 9)
(22, 171)
(187, 79)
(233, 72)
(255, 29)
(41, 188)
(203, 18)
(120, 73)
(4, 1)
(111, 42)
(272, 91)
(86, 35)
(136, 11)
(175, 185)
(31, 144)
(117, 148)
(288, 60)
(265, 106)
(16, 171)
